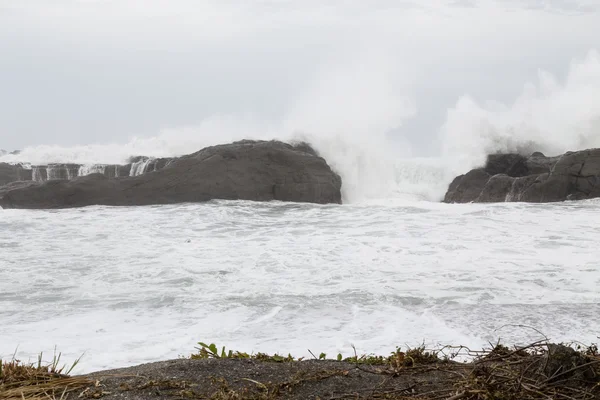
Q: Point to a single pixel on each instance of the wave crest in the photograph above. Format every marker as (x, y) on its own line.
(349, 113)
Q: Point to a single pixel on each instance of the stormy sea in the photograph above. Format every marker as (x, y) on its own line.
(391, 266)
(393, 98)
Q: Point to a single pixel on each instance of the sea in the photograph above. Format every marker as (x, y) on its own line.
(392, 266)
(399, 97)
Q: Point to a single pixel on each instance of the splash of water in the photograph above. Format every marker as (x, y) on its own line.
(551, 116)
(348, 112)
(139, 167)
(92, 169)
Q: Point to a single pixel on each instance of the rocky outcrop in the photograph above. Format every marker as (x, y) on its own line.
(16, 185)
(11, 173)
(50, 172)
(54, 171)
(246, 170)
(41, 173)
(536, 179)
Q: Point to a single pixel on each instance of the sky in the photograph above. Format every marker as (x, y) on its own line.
(80, 72)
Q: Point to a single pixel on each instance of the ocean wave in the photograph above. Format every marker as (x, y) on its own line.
(348, 121)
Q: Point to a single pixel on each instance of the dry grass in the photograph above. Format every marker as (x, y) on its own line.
(47, 381)
(541, 370)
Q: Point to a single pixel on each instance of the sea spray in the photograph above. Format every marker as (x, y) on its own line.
(349, 123)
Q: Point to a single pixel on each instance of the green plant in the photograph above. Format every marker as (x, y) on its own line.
(211, 351)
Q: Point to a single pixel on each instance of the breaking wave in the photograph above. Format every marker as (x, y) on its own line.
(349, 119)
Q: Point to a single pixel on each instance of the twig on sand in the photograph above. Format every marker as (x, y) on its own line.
(459, 396)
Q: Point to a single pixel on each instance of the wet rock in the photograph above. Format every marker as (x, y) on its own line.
(245, 170)
(562, 363)
(13, 172)
(513, 177)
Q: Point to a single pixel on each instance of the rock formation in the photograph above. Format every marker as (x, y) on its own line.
(246, 170)
(11, 173)
(536, 179)
(40, 173)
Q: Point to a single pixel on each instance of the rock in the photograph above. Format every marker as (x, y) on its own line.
(562, 362)
(16, 185)
(467, 188)
(12, 173)
(539, 179)
(497, 188)
(246, 170)
(514, 165)
(305, 147)
(156, 164)
(538, 163)
(231, 378)
(136, 159)
(40, 173)
(50, 172)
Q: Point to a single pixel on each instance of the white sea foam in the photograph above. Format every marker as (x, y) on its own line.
(551, 116)
(91, 169)
(139, 167)
(130, 285)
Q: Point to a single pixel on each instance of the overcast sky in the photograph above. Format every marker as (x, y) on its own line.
(76, 72)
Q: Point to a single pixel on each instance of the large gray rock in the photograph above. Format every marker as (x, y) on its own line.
(537, 178)
(16, 185)
(11, 173)
(246, 170)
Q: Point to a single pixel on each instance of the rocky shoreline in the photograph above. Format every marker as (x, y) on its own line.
(245, 170)
(533, 179)
(541, 370)
(66, 171)
(263, 171)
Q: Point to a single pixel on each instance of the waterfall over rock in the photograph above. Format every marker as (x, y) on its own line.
(67, 171)
(534, 179)
(139, 167)
(244, 170)
(39, 174)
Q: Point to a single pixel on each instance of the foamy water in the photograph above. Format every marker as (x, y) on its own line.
(371, 85)
(132, 285)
